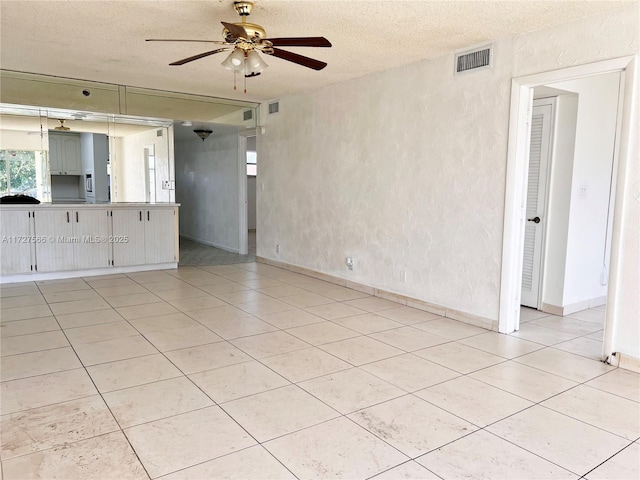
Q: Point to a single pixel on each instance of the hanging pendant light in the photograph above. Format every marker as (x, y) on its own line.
(203, 134)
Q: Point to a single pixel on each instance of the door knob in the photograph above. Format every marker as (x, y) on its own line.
(534, 220)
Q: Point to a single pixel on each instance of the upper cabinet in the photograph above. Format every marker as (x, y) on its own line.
(64, 154)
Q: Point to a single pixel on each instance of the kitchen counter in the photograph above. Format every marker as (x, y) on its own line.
(63, 240)
(83, 204)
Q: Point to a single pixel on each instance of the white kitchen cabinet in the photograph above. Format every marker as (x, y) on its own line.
(159, 240)
(64, 154)
(17, 241)
(72, 239)
(39, 241)
(56, 250)
(149, 235)
(91, 227)
(128, 230)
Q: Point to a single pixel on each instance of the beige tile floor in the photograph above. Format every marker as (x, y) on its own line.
(248, 371)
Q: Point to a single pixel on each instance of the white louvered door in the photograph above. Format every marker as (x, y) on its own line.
(539, 154)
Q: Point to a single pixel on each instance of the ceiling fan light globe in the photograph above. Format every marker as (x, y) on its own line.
(237, 57)
(255, 64)
(235, 61)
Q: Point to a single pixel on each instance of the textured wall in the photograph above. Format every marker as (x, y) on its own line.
(207, 189)
(405, 170)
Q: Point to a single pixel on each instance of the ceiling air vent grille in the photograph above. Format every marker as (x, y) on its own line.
(479, 58)
(247, 115)
(274, 107)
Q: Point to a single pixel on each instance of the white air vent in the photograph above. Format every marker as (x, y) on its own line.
(247, 115)
(274, 107)
(474, 60)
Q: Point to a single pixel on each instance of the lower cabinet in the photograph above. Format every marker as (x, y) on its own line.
(92, 228)
(128, 229)
(144, 236)
(17, 242)
(50, 239)
(72, 239)
(55, 251)
(159, 238)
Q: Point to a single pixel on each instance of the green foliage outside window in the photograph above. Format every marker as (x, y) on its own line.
(18, 172)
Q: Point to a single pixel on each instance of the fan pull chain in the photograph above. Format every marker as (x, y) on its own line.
(234, 79)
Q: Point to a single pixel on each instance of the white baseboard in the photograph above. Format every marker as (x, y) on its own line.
(626, 362)
(211, 244)
(565, 310)
(37, 276)
(442, 310)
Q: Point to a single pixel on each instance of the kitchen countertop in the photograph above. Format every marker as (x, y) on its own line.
(75, 204)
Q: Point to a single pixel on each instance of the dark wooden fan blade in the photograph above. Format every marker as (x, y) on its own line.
(300, 42)
(182, 40)
(236, 30)
(197, 57)
(299, 59)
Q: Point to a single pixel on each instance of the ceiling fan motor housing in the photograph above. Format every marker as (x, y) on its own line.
(255, 32)
(243, 8)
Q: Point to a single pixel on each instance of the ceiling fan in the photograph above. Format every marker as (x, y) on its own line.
(62, 127)
(246, 39)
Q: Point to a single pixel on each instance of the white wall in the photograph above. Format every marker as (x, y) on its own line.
(592, 168)
(251, 203)
(128, 164)
(405, 170)
(19, 140)
(207, 189)
(558, 205)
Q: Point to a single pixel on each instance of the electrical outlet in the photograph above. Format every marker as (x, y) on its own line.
(168, 185)
(350, 263)
(277, 248)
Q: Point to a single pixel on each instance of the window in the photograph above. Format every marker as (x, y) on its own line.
(252, 167)
(18, 172)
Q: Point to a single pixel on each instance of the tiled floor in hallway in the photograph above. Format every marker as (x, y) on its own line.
(251, 372)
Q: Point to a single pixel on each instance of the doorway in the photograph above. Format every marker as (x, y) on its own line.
(247, 191)
(516, 191)
(252, 173)
(570, 194)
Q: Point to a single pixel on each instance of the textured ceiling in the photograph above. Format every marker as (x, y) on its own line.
(104, 40)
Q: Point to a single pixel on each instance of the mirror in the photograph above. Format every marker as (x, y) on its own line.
(69, 156)
(67, 151)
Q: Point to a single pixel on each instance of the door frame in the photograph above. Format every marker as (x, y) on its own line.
(243, 232)
(516, 184)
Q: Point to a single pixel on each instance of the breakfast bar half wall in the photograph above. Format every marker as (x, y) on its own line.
(54, 241)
